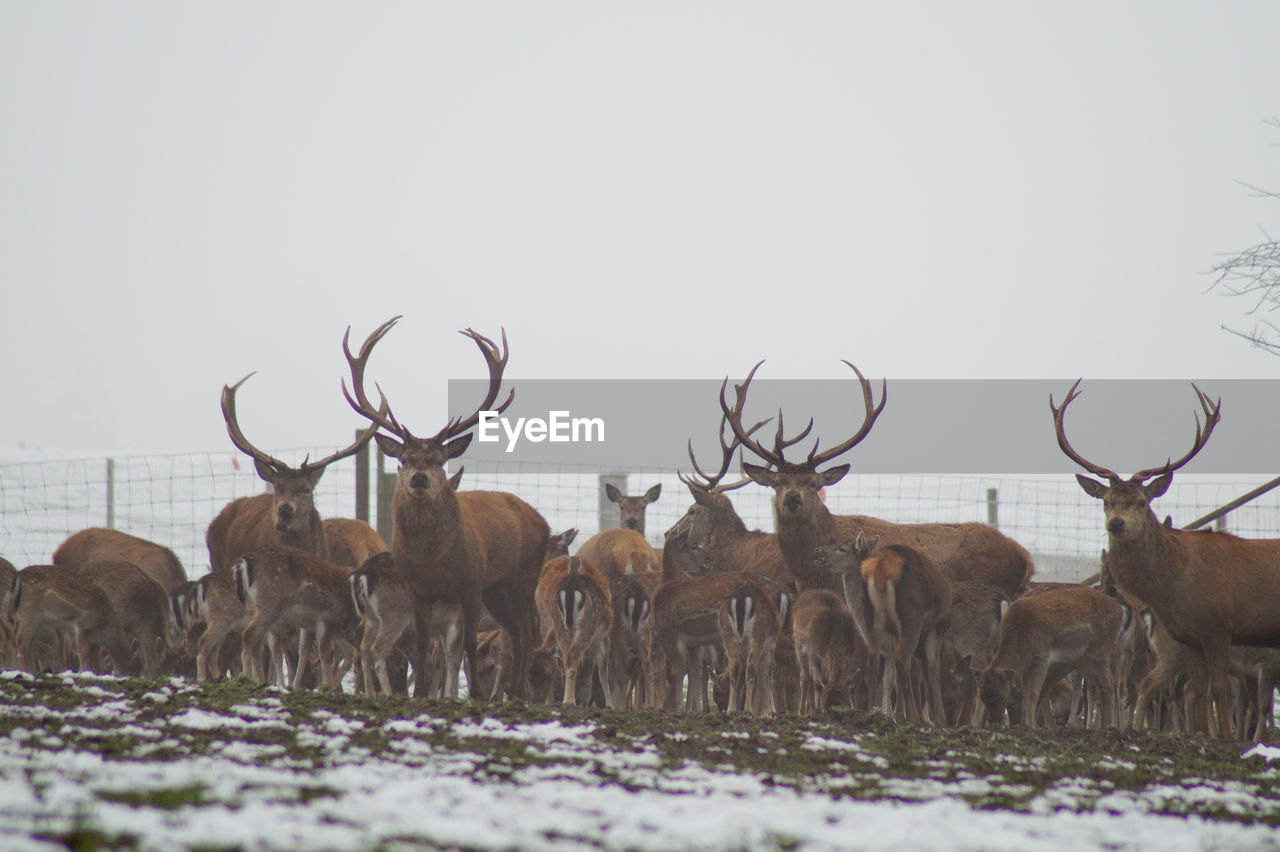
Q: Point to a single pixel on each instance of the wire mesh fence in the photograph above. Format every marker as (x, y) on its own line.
(170, 499)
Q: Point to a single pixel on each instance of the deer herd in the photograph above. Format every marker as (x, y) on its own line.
(931, 623)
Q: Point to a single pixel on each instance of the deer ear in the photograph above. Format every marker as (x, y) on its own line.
(759, 475)
(832, 475)
(653, 493)
(457, 446)
(1092, 487)
(389, 445)
(1158, 486)
(611, 491)
(265, 470)
(870, 543)
(568, 536)
(313, 476)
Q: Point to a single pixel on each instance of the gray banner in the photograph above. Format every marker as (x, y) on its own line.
(928, 426)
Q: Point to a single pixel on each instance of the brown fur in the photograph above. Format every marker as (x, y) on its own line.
(684, 621)
(140, 603)
(618, 552)
(59, 604)
(1044, 637)
(582, 638)
(101, 544)
(351, 542)
(826, 648)
(283, 587)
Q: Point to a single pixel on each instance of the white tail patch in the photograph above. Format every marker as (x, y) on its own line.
(572, 603)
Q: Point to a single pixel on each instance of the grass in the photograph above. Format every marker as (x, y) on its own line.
(843, 754)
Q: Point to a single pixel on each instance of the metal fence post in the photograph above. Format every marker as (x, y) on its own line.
(609, 509)
(993, 507)
(386, 493)
(362, 482)
(111, 494)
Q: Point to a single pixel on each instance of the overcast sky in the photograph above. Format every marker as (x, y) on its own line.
(191, 191)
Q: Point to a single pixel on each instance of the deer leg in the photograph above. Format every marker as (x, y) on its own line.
(1032, 687)
(1217, 659)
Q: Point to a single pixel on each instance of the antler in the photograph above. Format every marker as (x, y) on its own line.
(1212, 415)
(380, 416)
(241, 442)
(497, 364)
(776, 456)
(1058, 412)
(712, 483)
(233, 428)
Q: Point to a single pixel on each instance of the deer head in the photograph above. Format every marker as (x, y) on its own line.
(421, 476)
(711, 510)
(796, 485)
(1127, 502)
(631, 509)
(292, 488)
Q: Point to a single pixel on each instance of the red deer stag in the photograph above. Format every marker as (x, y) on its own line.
(287, 515)
(464, 547)
(969, 551)
(631, 509)
(1208, 591)
(713, 524)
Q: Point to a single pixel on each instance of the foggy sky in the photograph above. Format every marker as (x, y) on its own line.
(189, 192)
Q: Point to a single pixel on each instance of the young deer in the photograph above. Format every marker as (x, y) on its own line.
(750, 624)
(216, 605)
(10, 592)
(574, 598)
(911, 609)
(283, 586)
(382, 601)
(631, 509)
(629, 640)
(1047, 636)
(827, 647)
(141, 605)
(1209, 590)
(58, 605)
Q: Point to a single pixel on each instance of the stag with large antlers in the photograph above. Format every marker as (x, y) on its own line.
(287, 515)
(467, 547)
(968, 551)
(1208, 591)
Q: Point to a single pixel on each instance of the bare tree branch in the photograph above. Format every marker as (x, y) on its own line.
(1254, 273)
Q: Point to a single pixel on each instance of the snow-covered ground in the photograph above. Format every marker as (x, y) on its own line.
(158, 770)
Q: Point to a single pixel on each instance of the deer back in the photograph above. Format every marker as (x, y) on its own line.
(620, 551)
(102, 544)
(351, 542)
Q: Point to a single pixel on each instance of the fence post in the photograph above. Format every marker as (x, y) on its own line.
(111, 494)
(993, 507)
(386, 493)
(362, 482)
(609, 509)
(1220, 523)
